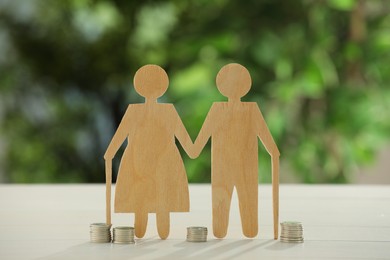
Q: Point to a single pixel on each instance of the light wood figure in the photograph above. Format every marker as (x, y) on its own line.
(151, 176)
(234, 127)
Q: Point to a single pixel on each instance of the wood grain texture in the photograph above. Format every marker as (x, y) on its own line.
(234, 127)
(151, 176)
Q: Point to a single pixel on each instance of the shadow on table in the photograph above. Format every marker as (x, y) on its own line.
(168, 249)
(282, 246)
(216, 247)
(90, 250)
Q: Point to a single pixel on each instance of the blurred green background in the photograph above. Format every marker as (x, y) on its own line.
(320, 71)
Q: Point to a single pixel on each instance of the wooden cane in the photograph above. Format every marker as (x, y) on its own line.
(275, 194)
(108, 191)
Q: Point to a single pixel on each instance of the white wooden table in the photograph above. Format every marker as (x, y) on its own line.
(340, 222)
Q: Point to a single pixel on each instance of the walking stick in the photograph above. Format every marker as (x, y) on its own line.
(108, 190)
(275, 194)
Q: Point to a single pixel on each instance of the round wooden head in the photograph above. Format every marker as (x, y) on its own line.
(233, 81)
(151, 81)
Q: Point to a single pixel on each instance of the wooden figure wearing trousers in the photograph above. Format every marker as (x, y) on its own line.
(151, 176)
(234, 127)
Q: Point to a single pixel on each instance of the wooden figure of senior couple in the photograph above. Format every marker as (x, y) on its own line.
(152, 176)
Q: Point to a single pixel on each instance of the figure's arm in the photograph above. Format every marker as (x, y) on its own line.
(117, 140)
(119, 136)
(264, 134)
(183, 136)
(205, 132)
(266, 138)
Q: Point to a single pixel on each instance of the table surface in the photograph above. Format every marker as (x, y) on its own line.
(340, 222)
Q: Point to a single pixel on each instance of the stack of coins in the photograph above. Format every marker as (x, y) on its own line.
(100, 233)
(197, 234)
(292, 232)
(123, 235)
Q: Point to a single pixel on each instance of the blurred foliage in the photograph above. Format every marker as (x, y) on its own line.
(320, 70)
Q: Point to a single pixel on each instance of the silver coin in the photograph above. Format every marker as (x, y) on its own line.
(122, 239)
(100, 233)
(123, 232)
(123, 228)
(292, 228)
(197, 228)
(123, 242)
(289, 241)
(292, 232)
(99, 225)
(287, 234)
(291, 223)
(123, 235)
(196, 234)
(292, 238)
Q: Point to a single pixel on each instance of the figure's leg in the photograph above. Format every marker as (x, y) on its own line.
(162, 218)
(141, 221)
(222, 189)
(247, 191)
(165, 186)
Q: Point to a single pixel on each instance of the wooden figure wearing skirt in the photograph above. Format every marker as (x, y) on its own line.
(151, 177)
